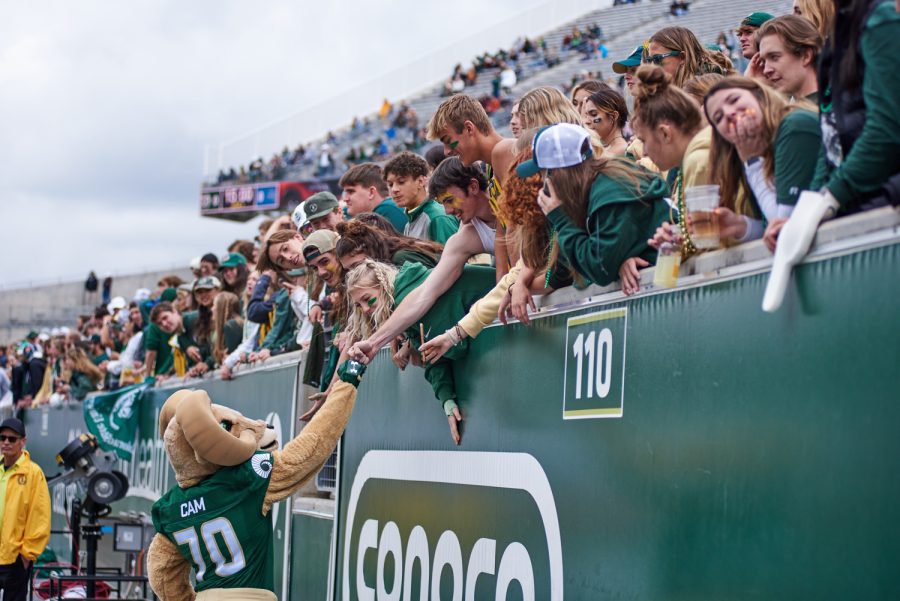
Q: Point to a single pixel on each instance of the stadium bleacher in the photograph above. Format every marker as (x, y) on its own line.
(623, 28)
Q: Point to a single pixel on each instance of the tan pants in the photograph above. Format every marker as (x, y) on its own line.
(236, 594)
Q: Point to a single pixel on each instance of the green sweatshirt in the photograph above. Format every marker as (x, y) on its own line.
(80, 385)
(390, 211)
(412, 256)
(875, 155)
(429, 221)
(621, 218)
(281, 338)
(797, 143)
(474, 283)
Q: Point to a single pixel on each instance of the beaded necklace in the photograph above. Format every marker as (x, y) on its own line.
(687, 246)
(549, 256)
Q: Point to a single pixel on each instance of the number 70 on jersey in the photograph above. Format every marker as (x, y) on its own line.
(594, 380)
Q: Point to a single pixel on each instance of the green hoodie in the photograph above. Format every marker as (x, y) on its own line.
(474, 283)
(622, 215)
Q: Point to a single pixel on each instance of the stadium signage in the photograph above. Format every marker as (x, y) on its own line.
(258, 197)
(451, 525)
(594, 381)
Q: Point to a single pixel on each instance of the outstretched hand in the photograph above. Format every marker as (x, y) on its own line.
(318, 399)
(435, 348)
(363, 351)
(521, 302)
(455, 420)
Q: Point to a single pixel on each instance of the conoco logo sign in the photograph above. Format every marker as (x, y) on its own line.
(451, 525)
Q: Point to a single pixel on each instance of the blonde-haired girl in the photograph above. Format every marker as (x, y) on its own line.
(375, 289)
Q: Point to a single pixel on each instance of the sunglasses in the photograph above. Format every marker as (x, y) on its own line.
(657, 59)
(5, 438)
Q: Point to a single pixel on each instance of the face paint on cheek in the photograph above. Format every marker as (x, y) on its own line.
(453, 203)
(371, 302)
(334, 268)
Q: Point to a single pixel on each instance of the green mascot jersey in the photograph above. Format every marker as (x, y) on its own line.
(219, 528)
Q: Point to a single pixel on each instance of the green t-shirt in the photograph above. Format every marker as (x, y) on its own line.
(797, 145)
(219, 527)
(157, 340)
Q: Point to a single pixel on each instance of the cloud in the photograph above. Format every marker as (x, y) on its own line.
(107, 107)
(119, 239)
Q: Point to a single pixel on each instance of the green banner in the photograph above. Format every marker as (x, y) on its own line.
(113, 418)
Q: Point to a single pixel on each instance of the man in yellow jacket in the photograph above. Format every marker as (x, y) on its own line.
(24, 512)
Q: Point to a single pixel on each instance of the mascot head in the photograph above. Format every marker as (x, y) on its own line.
(201, 437)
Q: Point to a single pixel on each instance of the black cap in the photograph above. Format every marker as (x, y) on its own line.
(15, 425)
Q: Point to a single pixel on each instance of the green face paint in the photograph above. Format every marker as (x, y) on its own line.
(371, 302)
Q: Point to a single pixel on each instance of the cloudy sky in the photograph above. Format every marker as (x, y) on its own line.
(106, 108)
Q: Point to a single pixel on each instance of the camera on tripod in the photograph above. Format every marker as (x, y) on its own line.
(92, 468)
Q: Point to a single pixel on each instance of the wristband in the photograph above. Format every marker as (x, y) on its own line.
(449, 406)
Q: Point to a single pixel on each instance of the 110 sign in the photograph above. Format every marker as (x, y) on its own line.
(594, 382)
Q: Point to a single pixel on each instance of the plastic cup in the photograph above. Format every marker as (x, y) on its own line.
(701, 203)
(668, 262)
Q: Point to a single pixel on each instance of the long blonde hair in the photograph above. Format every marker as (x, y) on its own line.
(81, 363)
(697, 59)
(546, 106)
(370, 274)
(225, 307)
(727, 167)
(820, 13)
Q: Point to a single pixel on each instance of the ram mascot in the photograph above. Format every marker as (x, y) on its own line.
(229, 471)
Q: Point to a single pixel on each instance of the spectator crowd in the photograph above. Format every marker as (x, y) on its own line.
(421, 252)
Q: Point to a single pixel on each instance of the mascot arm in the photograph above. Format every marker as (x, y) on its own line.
(305, 454)
(168, 571)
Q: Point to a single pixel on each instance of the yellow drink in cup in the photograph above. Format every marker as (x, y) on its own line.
(701, 203)
(668, 262)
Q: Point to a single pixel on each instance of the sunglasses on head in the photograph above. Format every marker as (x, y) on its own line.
(5, 438)
(657, 59)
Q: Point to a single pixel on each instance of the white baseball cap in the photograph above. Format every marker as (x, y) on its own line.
(116, 303)
(298, 216)
(556, 147)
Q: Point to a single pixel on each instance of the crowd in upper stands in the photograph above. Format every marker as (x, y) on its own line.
(421, 252)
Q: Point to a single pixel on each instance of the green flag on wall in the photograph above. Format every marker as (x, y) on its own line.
(113, 418)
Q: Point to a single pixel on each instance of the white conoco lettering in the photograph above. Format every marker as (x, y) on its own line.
(481, 561)
(416, 548)
(515, 564)
(368, 539)
(389, 543)
(510, 471)
(449, 554)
